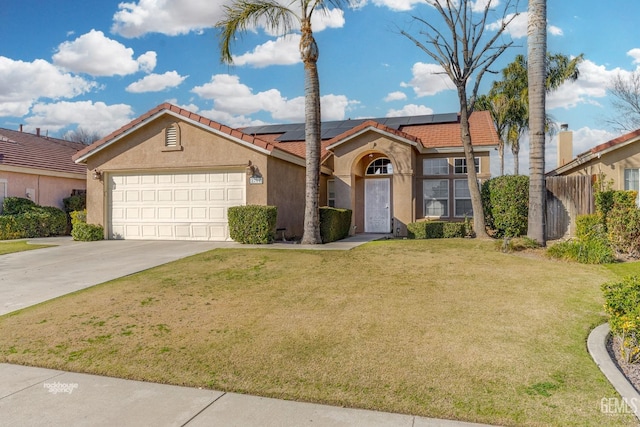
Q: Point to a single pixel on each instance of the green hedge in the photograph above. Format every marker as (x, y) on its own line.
(505, 201)
(83, 232)
(437, 230)
(591, 245)
(334, 224)
(252, 224)
(24, 219)
(622, 303)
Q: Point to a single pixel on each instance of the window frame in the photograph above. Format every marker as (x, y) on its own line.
(331, 201)
(636, 183)
(457, 198)
(388, 167)
(426, 199)
(461, 169)
(428, 170)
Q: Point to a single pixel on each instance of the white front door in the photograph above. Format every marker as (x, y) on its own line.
(377, 205)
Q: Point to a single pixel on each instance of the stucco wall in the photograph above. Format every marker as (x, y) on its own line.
(612, 165)
(47, 190)
(286, 189)
(144, 150)
(350, 163)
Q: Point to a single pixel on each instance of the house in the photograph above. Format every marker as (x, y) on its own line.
(39, 168)
(616, 161)
(172, 174)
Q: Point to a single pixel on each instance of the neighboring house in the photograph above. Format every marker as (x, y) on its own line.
(616, 161)
(172, 174)
(39, 168)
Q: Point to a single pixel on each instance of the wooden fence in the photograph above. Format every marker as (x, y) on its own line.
(567, 197)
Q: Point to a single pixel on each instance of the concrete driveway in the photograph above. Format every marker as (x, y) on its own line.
(31, 277)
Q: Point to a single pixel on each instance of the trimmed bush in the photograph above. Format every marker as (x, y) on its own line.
(252, 224)
(622, 303)
(76, 202)
(505, 201)
(83, 232)
(623, 225)
(16, 205)
(334, 224)
(32, 221)
(436, 230)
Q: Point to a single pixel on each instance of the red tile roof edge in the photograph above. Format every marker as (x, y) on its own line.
(184, 113)
(371, 124)
(612, 143)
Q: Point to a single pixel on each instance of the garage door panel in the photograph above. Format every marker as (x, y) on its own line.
(184, 206)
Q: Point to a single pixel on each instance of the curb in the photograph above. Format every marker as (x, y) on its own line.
(597, 346)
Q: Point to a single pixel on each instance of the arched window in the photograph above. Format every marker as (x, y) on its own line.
(381, 166)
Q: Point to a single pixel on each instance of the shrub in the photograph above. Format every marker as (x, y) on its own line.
(590, 226)
(623, 225)
(16, 205)
(32, 221)
(334, 224)
(436, 229)
(622, 303)
(76, 202)
(83, 232)
(590, 251)
(505, 201)
(252, 223)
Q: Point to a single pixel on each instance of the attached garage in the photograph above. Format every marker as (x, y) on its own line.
(183, 205)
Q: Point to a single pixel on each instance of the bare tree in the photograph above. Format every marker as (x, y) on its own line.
(82, 135)
(465, 51)
(625, 93)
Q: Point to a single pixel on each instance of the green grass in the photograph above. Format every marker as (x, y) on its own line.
(8, 247)
(446, 328)
(623, 269)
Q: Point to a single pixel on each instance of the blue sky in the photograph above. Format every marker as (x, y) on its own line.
(98, 65)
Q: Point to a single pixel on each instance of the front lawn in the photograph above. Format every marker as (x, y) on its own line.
(8, 247)
(439, 328)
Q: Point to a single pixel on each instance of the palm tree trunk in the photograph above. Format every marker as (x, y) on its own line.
(501, 154)
(472, 177)
(537, 52)
(516, 159)
(312, 120)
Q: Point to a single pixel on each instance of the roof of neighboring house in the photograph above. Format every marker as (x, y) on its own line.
(430, 131)
(597, 151)
(27, 150)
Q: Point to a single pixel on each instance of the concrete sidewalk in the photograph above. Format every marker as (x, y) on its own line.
(45, 397)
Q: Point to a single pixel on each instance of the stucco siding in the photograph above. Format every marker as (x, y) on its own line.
(47, 190)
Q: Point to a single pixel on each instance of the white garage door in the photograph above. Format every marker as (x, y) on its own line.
(174, 206)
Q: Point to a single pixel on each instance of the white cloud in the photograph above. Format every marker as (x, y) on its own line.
(428, 79)
(156, 82)
(95, 54)
(555, 31)
(635, 54)
(174, 17)
(517, 28)
(398, 5)
(410, 110)
(170, 17)
(590, 86)
(98, 117)
(231, 120)
(282, 51)
(22, 83)
(234, 98)
(395, 96)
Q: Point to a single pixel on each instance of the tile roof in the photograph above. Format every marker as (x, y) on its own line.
(580, 159)
(27, 150)
(258, 142)
(437, 131)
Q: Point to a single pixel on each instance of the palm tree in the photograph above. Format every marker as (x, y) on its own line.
(242, 15)
(514, 86)
(537, 76)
